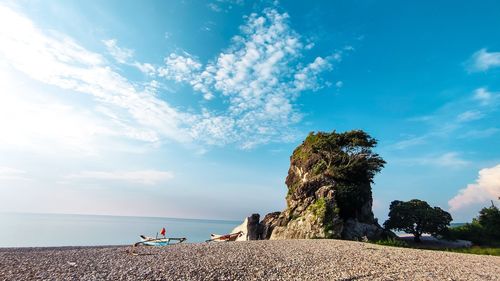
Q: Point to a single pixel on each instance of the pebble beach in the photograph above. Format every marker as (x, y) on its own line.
(251, 260)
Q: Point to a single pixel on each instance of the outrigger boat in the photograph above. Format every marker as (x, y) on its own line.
(164, 241)
(225, 237)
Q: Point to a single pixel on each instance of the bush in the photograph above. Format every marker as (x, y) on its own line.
(483, 230)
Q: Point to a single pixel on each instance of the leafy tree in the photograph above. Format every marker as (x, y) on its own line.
(489, 219)
(348, 159)
(348, 156)
(417, 217)
(483, 230)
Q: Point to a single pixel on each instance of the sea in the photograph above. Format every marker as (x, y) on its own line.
(49, 230)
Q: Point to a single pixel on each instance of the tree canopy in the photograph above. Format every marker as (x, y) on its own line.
(348, 156)
(489, 219)
(417, 217)
(347, 159)
(483, 230)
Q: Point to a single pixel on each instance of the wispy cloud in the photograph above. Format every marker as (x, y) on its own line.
(470, 115)
(410, 142)
(477, 134)
(447, 160)
(214, 7)
(125, 56)
(121, 55)
(486, 187)
(453, 117)
(258, 77)
(57, 60)
(8, 173)
(486, 97)
(146, 177)
(482, 95)
(224, 5)
(450, 159)
(483, 60)
(31, 120)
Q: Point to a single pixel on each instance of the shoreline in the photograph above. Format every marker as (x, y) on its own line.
(426, 239)
(261, 260)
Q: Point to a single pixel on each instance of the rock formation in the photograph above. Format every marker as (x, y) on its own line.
(252, 229)
(329, 190)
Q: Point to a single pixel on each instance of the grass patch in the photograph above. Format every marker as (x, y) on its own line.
(477, 251)
(392, 242)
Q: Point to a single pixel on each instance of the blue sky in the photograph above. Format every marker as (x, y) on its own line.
(192, 108)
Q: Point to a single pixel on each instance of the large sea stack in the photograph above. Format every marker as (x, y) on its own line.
(329, 189)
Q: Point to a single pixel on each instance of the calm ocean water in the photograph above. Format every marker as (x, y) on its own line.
(43, 230)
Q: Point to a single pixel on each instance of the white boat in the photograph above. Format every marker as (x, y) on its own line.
(225, 237)
(163, 241)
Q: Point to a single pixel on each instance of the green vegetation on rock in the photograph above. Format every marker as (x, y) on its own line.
(325, 214)
(318, 208)
(329, 188)
(346, 159)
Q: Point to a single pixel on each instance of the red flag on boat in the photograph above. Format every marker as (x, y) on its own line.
(163, 231)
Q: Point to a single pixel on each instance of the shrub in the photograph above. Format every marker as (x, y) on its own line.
(483, 230)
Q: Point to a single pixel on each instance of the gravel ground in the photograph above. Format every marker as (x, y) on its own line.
(254, 260)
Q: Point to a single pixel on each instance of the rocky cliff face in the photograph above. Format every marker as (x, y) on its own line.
(329, 189)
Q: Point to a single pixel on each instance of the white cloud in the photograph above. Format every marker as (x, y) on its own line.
(32, 120)
(145, 68)
(450, 159)
(7, 173)
(447, 160)
(124, 56)
(146, 177)
(470, 115)
(339, 84)
(483, 60)
(483, 96)
(306, 78)
(57, 60)
(224, 5)
(454, 117)
(121, 55)
(410, 142)
(477, 134)
(214, 7)
(260, 75)
(486, 187)
(180, 68)
(486, 97)
(425, 118)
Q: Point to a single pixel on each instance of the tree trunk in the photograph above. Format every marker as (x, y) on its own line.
(417, 238)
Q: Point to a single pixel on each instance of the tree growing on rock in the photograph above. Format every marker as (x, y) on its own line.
(417, 217)
(329, 188)
(349, 160)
